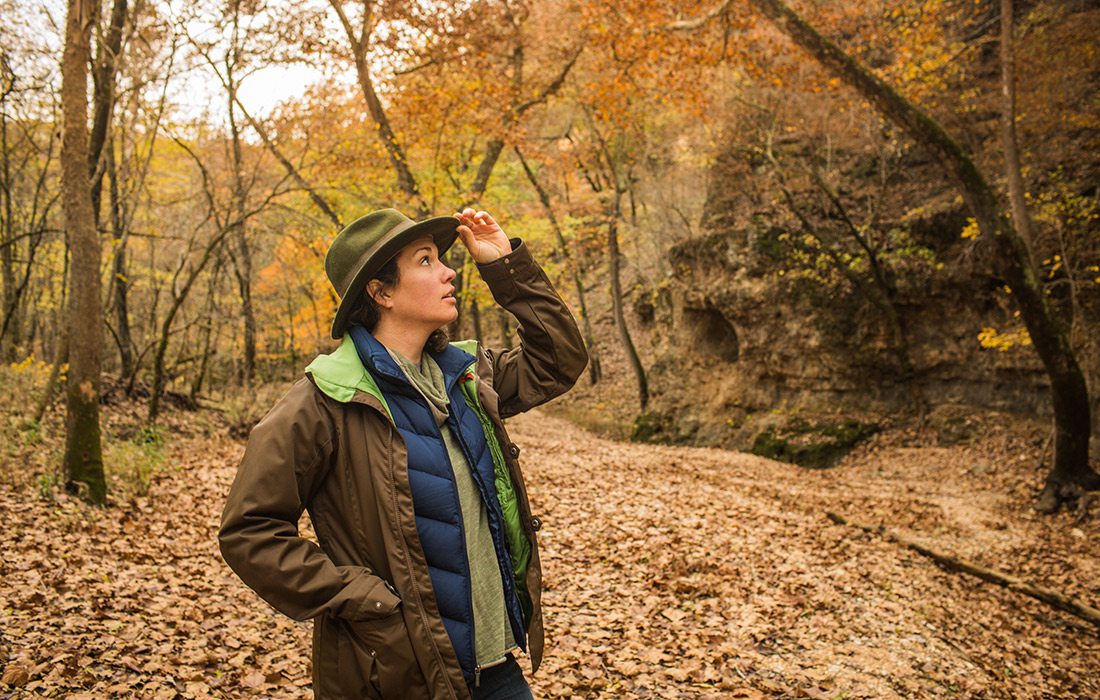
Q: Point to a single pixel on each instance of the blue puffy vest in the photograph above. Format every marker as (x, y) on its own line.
(434, 492)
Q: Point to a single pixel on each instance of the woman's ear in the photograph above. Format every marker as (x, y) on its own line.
(378, 292)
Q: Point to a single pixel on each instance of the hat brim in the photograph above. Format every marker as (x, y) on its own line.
(444, 229)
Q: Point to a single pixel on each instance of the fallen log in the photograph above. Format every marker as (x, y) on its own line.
(1047, 595)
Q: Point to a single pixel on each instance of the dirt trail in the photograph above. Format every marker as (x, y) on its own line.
(701, 571)
(670, 572)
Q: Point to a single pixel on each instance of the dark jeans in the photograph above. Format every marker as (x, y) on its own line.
(503, 682)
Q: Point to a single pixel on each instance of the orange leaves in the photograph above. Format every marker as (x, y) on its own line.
(671, 572)
(294, 298)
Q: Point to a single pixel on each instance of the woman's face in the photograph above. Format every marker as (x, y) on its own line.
(423, 295)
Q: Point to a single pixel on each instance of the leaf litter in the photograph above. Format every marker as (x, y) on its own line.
(670, 572)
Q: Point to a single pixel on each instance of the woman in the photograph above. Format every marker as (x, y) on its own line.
(427, 579)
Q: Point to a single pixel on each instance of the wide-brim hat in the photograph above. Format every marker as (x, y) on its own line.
(368, 243)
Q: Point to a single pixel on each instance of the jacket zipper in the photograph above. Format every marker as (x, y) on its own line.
(462, 530)
(461, 521)
(408, 558)
(478, 669)
(506, 576)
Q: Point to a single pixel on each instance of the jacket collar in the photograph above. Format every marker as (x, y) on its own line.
(341, 373)
(453, 360)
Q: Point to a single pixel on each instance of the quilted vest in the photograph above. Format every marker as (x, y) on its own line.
(434, 492)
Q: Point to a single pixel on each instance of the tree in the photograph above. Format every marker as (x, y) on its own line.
(1071, 472)
(576, 265)
(613, 166)
(27, 192)
(359, 42)
(83, 460)
(106, 68)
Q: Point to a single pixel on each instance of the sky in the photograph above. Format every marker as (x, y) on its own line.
(32, 32)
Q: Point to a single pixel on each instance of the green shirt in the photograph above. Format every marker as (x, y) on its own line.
(492, 630)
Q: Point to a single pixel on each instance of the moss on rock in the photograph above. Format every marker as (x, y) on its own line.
(818, 446)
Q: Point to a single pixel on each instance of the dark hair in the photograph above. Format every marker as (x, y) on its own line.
(367, 313)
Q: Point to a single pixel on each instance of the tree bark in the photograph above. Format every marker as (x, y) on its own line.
(10, 335)
(617, 304)
(1013, 173)
(104, 98)
(475, 318)
(511, 117)
(242, 255)
(120, 281)
(207, 333)
(614, 215)
(83, 460)
(1071, 473)
(505, 320)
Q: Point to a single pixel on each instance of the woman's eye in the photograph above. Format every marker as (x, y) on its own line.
(425, 259)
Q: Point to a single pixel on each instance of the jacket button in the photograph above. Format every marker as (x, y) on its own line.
(513, 449)
(536, 523)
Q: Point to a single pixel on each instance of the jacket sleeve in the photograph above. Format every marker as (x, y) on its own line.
(551, 353)
(283, 462)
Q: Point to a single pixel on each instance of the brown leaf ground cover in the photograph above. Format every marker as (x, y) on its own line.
(671, 572)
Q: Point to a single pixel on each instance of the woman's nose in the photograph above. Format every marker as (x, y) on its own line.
(448, 274)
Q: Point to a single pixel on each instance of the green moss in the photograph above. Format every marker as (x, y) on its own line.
(818, 446)
(648, 427)
(768, 243)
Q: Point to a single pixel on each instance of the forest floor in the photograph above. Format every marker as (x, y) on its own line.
(670, 572)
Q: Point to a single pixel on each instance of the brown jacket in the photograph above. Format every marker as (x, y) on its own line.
(329, 446)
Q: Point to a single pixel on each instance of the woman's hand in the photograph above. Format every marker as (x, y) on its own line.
(482, 236)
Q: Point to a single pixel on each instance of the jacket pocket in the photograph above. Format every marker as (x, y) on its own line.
(387, 654)
(340, 672)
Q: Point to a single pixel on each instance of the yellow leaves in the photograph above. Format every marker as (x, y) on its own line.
(971, 231)
(992, 339)
(1054, 264)
(31, 365)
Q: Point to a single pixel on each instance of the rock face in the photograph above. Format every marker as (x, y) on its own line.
(751, 359)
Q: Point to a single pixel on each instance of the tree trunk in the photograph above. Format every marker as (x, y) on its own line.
(475, 318)
(208, 332)
(104, 97)
(1013, 173)
(242, 262)
(505, 320)
(617, 305)
(10, 336)
(60, 357)
(1071, 472)
(577, 266)
(242, 255)
(120, 282)
(83, 460)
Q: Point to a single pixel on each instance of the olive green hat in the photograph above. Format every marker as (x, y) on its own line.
(368, 243)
